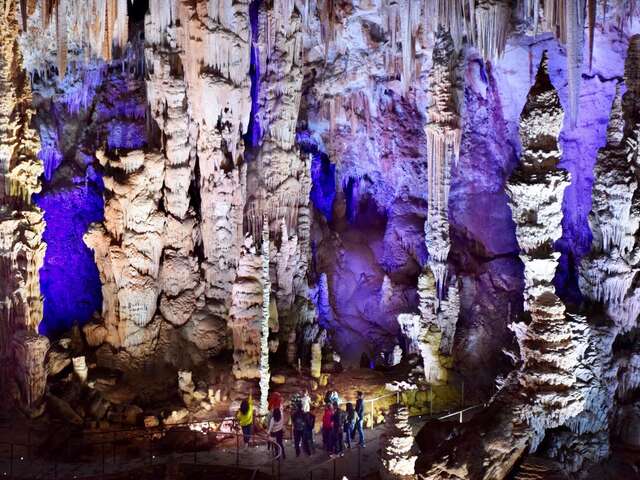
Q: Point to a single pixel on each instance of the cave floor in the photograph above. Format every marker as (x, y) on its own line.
(60, 450)
(99, 464)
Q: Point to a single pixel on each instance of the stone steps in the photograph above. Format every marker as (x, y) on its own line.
(534, 468)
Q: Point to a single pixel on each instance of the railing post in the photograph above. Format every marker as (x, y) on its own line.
(237, 449)
(195, 447)
(334, 468)
(11, 462)
(430, 400)
(373, 420)
(103, 460)
(460, 416)
(359, 462)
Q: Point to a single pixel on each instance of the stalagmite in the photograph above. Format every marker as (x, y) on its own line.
(265, 375)
(30, 372)
(246, 315)
(552, 343)
(316, 360)
(127, 247)
(397, 460)
(80, 368)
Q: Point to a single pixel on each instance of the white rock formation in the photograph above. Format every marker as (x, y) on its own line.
(397, 458)
(22, 351)
(128, 246)
(443, 132)
(608, 272)
(30, 373)
(245, 314)
(80, 368)
(265, 373)
(544, 392)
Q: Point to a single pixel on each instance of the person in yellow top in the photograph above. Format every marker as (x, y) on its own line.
(244, 416)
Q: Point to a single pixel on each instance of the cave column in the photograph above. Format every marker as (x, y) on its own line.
(22, 350)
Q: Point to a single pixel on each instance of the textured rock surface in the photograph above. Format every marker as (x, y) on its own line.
(348, 126)
(128, 246)
(398, 462)
(22, 351)
(541, 393)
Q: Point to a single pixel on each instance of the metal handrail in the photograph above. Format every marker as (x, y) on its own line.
(149, 455)
(334, 460)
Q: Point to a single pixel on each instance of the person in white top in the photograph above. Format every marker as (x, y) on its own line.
(306, 402)
(276, 430)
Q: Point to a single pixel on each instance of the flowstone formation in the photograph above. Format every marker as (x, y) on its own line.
(22, 350)
(236, 190)
(608, 273)
(607, 278)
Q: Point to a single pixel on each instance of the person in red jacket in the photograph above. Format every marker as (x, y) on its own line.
(327, 428)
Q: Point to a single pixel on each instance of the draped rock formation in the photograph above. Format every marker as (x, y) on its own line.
(608, 272)
(127, 248)
(22, 250)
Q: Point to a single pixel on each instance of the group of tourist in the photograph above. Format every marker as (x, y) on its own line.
(338, 425)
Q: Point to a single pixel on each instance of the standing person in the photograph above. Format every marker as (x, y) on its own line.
(245, 418)
(298, 421)
(306, 402)
(327, 428)
(350, 423)
(360, 421)
(276, 430)
(307, 441)
(338, 427)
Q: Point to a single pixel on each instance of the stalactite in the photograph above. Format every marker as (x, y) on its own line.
(456, 16)
(566, 19)
(575, 42)
(121, 32)
(61, 36)
(492, 19)
(592, 6)
(608, 273)
(443, 138)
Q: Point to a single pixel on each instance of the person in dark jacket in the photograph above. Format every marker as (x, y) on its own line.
(360, 421)
(327, 428)
(339, 418)
(299, 422)
(307, 440)
(351, 418)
